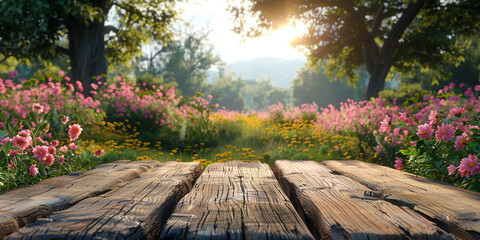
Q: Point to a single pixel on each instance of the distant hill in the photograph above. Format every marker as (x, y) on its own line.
(280, 71)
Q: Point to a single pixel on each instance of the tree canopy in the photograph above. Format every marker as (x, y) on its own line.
(188, 60)
(376, 33)
(79, 29)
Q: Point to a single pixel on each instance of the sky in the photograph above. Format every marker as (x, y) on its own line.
(214, 16)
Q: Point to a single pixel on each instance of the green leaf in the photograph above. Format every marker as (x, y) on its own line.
(27, 84)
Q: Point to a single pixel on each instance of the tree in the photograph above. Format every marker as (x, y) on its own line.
(278, 95)
(312, 85)
(38, 28)
(376, 33)
(187, 61)
(263, 94)
(467, 72)
(259, 93)
(227, 91)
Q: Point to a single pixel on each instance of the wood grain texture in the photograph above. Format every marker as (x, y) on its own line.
(136, 210)
(236, 200)
(454, 209)
(336, 207)
(24, 205)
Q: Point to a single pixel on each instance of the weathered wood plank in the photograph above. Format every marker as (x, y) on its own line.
(24, 205)
(236, 200)
(454, 209)
(336, 207)
(136, 210)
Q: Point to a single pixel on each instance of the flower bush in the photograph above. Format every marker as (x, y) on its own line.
(162, 113)
(434, 135)
(438, 137)
(29, 154)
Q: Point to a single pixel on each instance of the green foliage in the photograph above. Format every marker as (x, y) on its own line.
(261, 94)
(467, 72)
(403, 94)
(148, 80)
(189, 59)
(378, 34)
(313, 85)
(228, 90)
(32, 29)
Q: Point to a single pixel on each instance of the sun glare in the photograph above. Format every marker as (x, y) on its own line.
(276, 43)
(287, 33)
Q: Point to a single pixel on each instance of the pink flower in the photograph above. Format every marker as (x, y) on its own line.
(454, 99)
(385, 125)
(457, 111)
(477, 88)
(420, 116)
(461, 141)
(79, 86)
(469, 166)
(21, 142)
(413, 143)
(98, 153)
(451, 169)
(52, 150)
(11, 165)
(74, 131)
(40, 152)
(2, 125)
(65, 120)
(398, 163)
(5, 140)
(12, 153)
(134, 108)
(64, 149)
(469, 93)
(61, 159)
(61, 73)
(33, 170)
(39, 140)
(48, 161)
(37, 108)
(54, 143)
(72, 146)
(25, 133)
(13, 74)
(425, 131)
(445, 132)
(432, 117)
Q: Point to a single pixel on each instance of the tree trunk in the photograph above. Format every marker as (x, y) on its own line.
(377, 79)
(87, 52)
(379, 61)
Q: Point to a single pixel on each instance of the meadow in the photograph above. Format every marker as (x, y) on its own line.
(50, 127)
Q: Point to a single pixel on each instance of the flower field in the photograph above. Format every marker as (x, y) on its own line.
(50, 127)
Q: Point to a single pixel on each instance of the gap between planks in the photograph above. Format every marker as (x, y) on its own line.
(335, 206)
(454, 209)
(236, 200)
